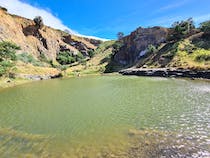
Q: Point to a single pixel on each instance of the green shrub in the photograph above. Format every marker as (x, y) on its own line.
(202, 57)
(79, 56)
(181, 28)
(152, 49)
(189, 49)
(7, 56)
(67, 57)
(64, 58)
(8, 50)
(28, 58)
(43, 58)
(91, 53)
(205, 26)
(5, 66)
(116, 46)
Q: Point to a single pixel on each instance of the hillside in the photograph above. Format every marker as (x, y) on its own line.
(40, 47)
(36, 40)
(43, 52)
(159, 47)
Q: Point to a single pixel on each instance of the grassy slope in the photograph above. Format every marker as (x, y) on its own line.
(23, 68)
(184, 54)
(28, 69)
(95, 65)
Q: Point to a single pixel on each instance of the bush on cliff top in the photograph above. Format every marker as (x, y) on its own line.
(205, 26)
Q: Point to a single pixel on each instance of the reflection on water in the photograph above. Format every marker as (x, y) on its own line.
(106, 116)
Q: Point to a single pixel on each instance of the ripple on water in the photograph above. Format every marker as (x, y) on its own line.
(93, 115)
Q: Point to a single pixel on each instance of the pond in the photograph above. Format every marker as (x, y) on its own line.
(106, 116)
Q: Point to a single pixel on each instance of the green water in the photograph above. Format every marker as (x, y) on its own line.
(84, 116)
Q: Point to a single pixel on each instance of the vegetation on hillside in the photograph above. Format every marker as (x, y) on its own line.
(180, 29)
(95, 65)
(68, 57)
(186, 47)
(7, 56)
(205, 27)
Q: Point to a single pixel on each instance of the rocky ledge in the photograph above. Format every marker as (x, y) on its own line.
(167, 72)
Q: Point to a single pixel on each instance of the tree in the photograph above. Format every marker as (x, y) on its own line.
(182, 28)
(7, 56)
(67, 57)
(205, 26)
(120, 35)
(39, 21)
(8, 50)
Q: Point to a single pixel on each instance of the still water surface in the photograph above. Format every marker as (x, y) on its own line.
(96, 116)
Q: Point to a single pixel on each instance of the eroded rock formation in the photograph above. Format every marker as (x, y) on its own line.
(135, 44)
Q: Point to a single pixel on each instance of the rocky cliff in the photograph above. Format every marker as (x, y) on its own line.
(135, 44)
(36, 41)
(160, 47)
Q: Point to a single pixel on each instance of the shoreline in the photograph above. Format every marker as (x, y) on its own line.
(19, 79)
(156, 72)
(167, 72)
(8, 82)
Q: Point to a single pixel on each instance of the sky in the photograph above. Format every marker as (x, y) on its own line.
(105, 18)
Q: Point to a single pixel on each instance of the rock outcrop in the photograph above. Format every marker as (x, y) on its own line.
(166, 72)
(135, 44)
(45, 40)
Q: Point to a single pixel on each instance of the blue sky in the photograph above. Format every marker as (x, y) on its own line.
(104, 18)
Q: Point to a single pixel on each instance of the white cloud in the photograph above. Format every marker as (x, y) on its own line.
(201, 18)
(28, 11)
(173, 5)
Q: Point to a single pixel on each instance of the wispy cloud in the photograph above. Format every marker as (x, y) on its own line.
(168, 20)
(201, 18)
(173, 5)
(26, 10)
(165, 21)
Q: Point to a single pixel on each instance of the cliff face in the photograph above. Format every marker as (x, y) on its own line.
(160, 47)
(135, 44)
(46, 40)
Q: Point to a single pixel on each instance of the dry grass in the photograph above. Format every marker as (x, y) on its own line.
(22, 68)
(188, 60)
(95, 65)
(7, 82)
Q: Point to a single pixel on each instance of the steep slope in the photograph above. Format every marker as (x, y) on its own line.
(46, 40)
(95, 65)
(40, 47)
(159, 47)
(135, 45)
